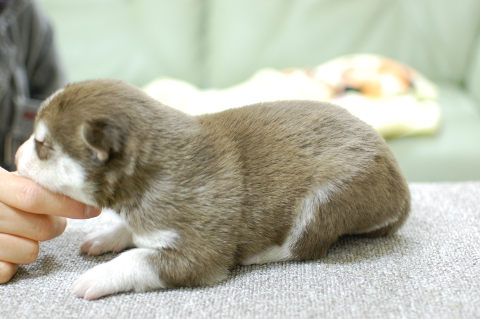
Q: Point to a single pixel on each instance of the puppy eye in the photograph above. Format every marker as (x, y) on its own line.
(42, 144)
(38, 143)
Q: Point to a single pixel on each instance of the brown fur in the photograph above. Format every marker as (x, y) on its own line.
(231, 183)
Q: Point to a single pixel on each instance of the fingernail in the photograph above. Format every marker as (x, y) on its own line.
(92, 211)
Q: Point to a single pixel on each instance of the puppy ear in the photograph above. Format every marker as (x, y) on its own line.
(102, 137)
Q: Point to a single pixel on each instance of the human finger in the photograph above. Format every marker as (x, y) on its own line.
(28, 196)
(18, 250)
(33, 226)
(7, 270)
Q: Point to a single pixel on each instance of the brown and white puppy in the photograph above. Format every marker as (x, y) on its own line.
(197, 195)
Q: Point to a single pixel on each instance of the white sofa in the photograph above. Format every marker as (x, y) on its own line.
(219, 43)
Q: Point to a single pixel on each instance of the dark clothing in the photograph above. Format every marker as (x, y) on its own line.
(29, 72)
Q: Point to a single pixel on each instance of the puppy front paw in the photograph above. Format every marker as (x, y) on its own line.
(131, 270)
(113, 239)
(95, 283)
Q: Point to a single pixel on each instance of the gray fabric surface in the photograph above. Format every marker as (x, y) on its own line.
(430, 269)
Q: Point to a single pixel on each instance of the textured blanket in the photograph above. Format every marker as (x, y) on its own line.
(430, 269)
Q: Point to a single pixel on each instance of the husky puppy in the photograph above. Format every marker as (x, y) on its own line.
(198, 195)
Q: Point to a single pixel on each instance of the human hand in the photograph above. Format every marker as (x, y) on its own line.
(29, 214)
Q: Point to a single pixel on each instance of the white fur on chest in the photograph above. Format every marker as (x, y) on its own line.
(121, 236)
(157, 240)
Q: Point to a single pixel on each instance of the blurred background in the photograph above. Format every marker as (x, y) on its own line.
(221, 43)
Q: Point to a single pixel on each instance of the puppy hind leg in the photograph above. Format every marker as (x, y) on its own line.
(273, 253)
(381, 232)
(314, 244)
(188, 268)
(386, 230)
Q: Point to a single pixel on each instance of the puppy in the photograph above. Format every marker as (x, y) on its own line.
(198, 195)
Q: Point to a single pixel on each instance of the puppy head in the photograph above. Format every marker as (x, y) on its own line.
(82, 142)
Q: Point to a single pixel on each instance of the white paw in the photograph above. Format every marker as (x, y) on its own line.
(114, 239)
(97, 282)
(131, 270)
